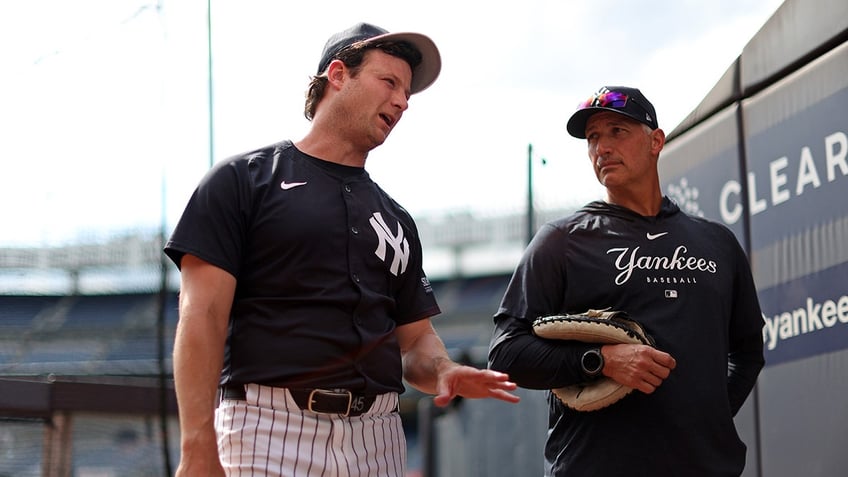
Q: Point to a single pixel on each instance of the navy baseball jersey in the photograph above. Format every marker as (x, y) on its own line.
(327, 266)
(687, 280)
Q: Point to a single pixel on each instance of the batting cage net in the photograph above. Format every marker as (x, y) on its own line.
(87, 316)
(86, 335)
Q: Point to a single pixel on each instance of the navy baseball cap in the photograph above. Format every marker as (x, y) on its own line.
(423, 75)
(619, 99)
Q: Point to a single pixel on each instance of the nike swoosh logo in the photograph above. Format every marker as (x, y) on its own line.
(290, 185)
(655, 236)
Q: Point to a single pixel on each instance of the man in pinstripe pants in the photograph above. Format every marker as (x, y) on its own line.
(303, 303)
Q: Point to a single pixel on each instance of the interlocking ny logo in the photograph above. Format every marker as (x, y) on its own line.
(398, 243)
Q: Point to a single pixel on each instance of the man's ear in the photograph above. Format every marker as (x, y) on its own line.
(657, 140)
(336, 73)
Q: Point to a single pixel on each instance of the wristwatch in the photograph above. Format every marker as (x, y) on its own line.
(592, 362)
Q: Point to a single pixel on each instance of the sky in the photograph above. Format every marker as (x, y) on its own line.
(105, 114)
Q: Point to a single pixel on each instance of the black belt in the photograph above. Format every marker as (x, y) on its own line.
(322, 401)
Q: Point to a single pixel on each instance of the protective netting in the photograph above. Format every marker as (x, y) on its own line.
(86, 336)
(99, 446)
(86, 319)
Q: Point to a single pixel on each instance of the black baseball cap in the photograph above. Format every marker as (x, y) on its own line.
(620, 99)
(423, 75)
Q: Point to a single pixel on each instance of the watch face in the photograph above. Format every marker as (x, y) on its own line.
(592, 362)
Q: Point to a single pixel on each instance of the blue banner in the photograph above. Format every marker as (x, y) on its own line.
(807, 316)
(798, 171)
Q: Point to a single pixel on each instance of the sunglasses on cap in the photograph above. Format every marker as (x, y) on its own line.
(609, 99)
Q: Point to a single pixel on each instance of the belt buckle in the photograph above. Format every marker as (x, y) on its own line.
(331, 393)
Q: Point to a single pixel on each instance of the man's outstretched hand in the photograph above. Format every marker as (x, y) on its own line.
(469, 382)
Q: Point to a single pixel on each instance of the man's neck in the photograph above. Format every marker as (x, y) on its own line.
(332, 148)
(646, 205)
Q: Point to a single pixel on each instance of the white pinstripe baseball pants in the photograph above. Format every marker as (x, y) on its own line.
(269, 435)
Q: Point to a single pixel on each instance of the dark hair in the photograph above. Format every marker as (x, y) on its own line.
(353, 56)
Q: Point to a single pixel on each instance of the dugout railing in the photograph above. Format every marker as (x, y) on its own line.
(63, 426)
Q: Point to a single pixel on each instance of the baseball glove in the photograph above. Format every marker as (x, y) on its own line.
(593, 326)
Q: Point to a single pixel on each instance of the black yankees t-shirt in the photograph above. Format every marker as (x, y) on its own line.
(327, 265)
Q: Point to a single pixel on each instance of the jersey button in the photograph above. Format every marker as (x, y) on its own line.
(355, 230)
(347, 188)
(356, 278)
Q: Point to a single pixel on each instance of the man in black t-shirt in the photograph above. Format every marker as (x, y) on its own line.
(686, 279)
(303, 302)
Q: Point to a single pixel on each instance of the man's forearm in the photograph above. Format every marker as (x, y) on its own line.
(198, 357)
(423, 362)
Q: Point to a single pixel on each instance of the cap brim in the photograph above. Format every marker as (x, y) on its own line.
(424, 74)
(576, 125)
